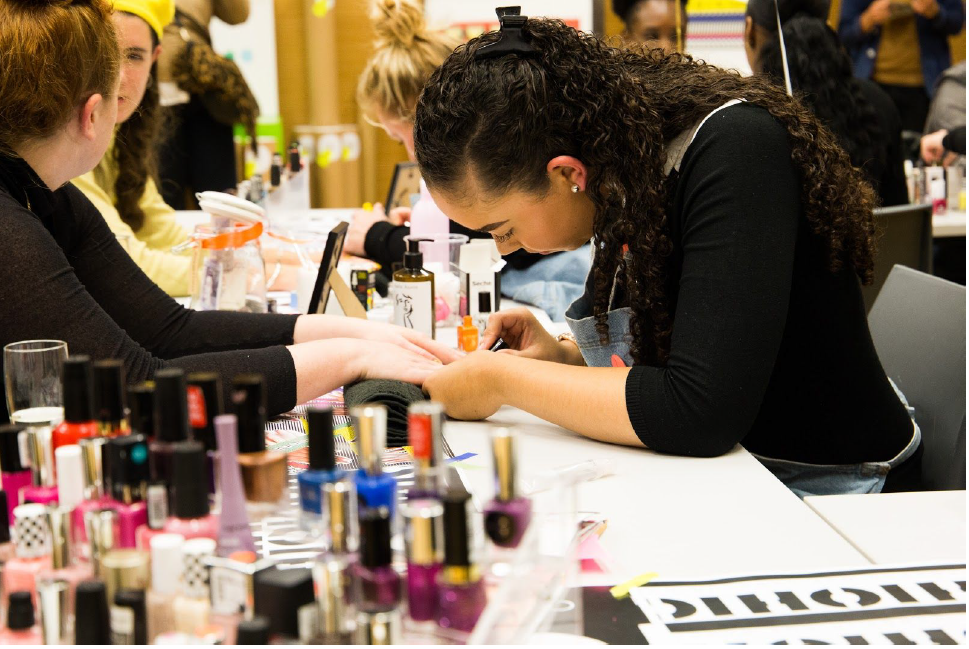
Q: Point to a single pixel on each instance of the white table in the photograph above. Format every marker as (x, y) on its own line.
(919, 527)
(950, 224)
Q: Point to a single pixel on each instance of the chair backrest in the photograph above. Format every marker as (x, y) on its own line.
(904, 235)
(918, 325)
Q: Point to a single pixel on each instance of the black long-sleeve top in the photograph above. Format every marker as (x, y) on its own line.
(955, 140)
(769, 347)
(65, 277)
(887, 176)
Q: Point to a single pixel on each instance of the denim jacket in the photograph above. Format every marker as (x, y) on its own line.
(932, 35)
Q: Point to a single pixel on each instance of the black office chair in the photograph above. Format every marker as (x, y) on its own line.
(904, 237)
(918, 325)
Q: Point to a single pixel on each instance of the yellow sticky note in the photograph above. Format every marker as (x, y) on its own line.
(622, 590)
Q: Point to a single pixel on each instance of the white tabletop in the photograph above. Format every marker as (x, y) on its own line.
(950, 224)
(919, 527)
(668, 514)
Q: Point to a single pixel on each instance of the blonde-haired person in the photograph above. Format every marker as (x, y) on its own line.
(406, 54)
(122, 186)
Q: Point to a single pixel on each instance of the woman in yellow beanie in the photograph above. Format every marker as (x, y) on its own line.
(122, 186)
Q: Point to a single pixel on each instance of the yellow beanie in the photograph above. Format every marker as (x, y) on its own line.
(157, 13)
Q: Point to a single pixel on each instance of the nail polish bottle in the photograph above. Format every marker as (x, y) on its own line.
(101, 527)
(376, 583)
(382, 628)
(13, 464)
(171, 421)
(253, 632)
(128, 480)
(64, 567)
(20, 621)
(462, 594)
(33, 550)
(468, 335)
(204, 405)
(322, 469)
(192, 605)
(109, 398)
(424, 556)
(91, 617)
(264, 473)
(166, 560)
(374, 487)
(286, 599)
(141, 409)
(425, 421)
(78, 403)
(128, 618)
(70, 476)
(190, 515)
(7, 549)
(56, 612)
(125, 569)
(231, 589)
(507, 516)
(43, 482)
(235, 534)
(95, 496)
(156, 504)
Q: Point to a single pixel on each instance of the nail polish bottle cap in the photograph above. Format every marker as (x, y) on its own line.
(91, 614)
(62, 549)
(204, 405)
(141, 405)
(370, 421)
(171, 405)
(128, 468)
(31, 531)
(424, 531)
(40, 453)
(78, 390)
(134, 599)
(53, 598)
(11, 455)
(253, 632)
(125, 568)
(70, 475)
(375, 537)
(322, 444)
(279, 596)
(166, 555)
(505, 463)
(249, 400)
(190, 492)
(340, 514)
(4, 518)
(195, 571)
(20, 611)
(378, 628)
(424, 422)
(109, 390)
(457, 542)
(93, 454)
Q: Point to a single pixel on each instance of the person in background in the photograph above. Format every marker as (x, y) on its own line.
(122, 186)
(948, 107)
(858, 112)
(903, 46)
(652, 22)
(67, 278)
(407, 52)
(199, 153)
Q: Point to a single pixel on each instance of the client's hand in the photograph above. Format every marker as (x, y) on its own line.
(408, 339)
(382, 360)
(466, 387)
(360, 223)
(525, 335)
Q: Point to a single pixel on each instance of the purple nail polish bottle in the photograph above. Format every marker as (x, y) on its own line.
(424, 556)
(425, 421)
(376, 582)
(508, 515)
(462, 597)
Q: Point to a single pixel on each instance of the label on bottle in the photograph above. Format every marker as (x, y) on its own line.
(196, 407)
(419, 430)
(229, 590)
(413, 306)
(156, 501)
(307, 622)
(122, 625)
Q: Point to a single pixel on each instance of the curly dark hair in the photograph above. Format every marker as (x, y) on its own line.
(135, 151)
(822, 77)
(503, 119)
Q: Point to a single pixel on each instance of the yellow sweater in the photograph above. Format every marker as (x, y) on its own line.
(150, 247)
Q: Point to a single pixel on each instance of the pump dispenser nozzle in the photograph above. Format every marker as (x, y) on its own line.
(413, 257)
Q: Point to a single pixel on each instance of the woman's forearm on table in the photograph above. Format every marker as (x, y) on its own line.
(323, 366)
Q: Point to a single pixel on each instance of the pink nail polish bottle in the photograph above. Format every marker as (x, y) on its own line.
(190, 495)
(127, 459)
(63, 567)
(33, 550)
(14, 466)
(92, 460)
(7, 549)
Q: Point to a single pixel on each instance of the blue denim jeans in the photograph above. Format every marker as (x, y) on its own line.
(830, 479)
(551, 284)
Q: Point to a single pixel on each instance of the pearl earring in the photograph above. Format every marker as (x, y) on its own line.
(575, 189)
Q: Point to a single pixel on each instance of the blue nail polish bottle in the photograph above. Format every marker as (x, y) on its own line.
(322, 469)
(374, 487)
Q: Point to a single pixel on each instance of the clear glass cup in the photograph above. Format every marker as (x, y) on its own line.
(32, 380)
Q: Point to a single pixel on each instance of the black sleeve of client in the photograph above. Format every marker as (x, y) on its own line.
(769, 348)
(65, 277)
(385, 245)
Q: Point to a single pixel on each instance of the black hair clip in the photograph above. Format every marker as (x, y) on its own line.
(512, 40)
